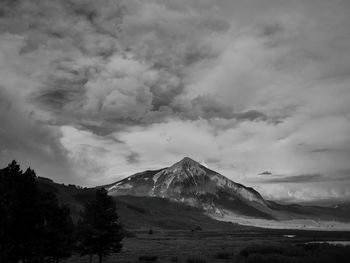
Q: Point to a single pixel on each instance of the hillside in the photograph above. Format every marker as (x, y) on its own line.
(140, 213)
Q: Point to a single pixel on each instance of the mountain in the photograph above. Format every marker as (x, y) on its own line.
(189, 182)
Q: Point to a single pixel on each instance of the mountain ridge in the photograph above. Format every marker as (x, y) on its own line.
(190, 182)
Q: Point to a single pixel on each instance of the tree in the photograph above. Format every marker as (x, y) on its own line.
(19, 214)
(33, 227)
(57, 229)
(100, 231)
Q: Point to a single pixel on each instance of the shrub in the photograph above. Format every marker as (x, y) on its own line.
(263, 249)
(267, 258)
(148, 258)
(128, 233)
(174, 259)
(198, 228)
(294, 251)
(303, 253)
(196, 259)
(224, 255)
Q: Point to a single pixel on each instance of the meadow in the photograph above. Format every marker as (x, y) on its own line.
(246, 245)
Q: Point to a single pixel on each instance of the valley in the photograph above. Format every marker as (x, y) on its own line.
(210, 245)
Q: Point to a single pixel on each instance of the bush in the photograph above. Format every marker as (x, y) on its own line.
(128, 233)
(263, 249)
(294, 251)
(174, 259)
(224, 255)
(302, 253)
(268, 258)
(195, 259)
(148, 258)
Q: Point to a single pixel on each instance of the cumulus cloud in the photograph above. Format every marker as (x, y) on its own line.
(115, 87)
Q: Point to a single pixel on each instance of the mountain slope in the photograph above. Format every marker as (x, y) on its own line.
(191, 183)
(139, 213)
(161, 213)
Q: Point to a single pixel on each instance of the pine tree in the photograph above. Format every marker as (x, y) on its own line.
(57, 229)
(100, 231)
(18, 198)
(33, 227)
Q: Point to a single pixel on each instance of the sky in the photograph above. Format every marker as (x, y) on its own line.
(258, 90)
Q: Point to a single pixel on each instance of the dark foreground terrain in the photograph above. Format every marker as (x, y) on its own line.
(246, 245)
(160, 230)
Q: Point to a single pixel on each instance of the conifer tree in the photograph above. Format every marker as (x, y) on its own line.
(57, 229)
(100, 231)
(33, 227)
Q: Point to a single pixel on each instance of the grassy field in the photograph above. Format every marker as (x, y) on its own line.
(208, 246)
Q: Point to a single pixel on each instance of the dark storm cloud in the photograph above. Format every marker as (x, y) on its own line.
(133, 158)
(303, 178)
(251, 115)
(252, 79)
(58, 98)
(73, 63)
(322, 150)
(265, 173)
(30, 143)
(89, 75)
(272, 29)
(209, 107)
(165, 89)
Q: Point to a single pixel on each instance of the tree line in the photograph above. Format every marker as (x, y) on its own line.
(35, 228)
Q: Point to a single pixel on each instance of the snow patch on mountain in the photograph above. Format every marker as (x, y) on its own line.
(125, 186)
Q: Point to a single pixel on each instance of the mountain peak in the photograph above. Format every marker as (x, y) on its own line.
(187, 162)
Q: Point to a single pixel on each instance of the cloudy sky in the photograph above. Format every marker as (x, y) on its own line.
(258, 90)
